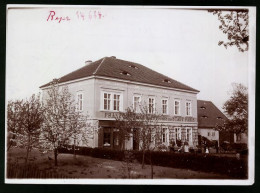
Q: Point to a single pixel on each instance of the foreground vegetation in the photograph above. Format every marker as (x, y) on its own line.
(103, 163)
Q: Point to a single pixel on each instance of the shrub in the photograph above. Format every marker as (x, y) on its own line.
(238, 147)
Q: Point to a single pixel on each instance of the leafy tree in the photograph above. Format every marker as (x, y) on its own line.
(236, 109)
(62, 121)
(234, 23)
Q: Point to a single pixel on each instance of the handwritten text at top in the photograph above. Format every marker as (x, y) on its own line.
(80, 15)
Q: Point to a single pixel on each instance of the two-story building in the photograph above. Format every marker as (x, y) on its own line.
(109, 85)
(209, 116)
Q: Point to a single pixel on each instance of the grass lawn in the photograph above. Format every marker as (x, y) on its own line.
(89, 167)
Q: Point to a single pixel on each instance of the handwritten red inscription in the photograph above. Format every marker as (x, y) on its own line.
(52, 17)
(81, 16)
(90, 15)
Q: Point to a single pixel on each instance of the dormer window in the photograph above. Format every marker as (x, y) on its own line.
(133, 66)
(202, 107)
(167, 81)
(204, 116)
(125, 73)
(219, 117)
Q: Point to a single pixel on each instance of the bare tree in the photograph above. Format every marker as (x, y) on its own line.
(62, 122)
(234, 23)
(24, 123)
(126, 122)
(150, 132)
(147, 130)
(31, 120)
(78, 128)
(13, 118)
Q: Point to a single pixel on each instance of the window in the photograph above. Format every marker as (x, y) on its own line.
(167, 81)
(107, 101)
(208, 133)
(136, 105)
(116, 102)
(238, 136)
(189, 134)
(188, 108)
(176, 107)
(165, 106)
(80, 101)
(133, 66)
(164, 135)
(125, 73)
(111, 101)
(177, 133)
(151, 105)
(213, 133)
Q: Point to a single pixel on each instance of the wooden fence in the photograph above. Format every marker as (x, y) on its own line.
(19, 171)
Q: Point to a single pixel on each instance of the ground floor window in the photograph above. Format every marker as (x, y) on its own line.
(107, 137)
(164, 135)
(189, 134)
(177, 133)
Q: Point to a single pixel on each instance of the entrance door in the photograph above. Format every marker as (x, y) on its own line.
(116, 144)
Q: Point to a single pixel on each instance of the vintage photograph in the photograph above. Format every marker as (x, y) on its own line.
(130, 95)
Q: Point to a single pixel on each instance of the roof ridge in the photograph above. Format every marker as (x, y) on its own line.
(75, 70)
(99, 66)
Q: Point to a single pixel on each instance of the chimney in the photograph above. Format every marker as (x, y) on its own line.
(88, 62)
(113, 57)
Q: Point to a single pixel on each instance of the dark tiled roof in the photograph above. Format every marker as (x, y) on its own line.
(125, 70)
(209, 115)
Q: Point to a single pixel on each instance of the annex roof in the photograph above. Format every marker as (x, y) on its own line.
(124, 70)
(209, 115)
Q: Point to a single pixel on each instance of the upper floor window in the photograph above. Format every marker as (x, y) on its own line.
(107, 101)
(151, 107)
(112, 101)
(137, 102)
(176, 107)
(116, 102)
(165, 106)
(80, 101)
(188, 108)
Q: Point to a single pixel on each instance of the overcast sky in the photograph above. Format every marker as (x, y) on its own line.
(182, 44)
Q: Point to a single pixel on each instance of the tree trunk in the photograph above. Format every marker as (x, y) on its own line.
(74, 151)
(143, 159)
(151, 165)
(11, 143)
(27, 155)
(56, 156)
(28, 149)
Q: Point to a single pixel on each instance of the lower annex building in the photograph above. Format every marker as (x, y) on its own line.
(109, 85)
